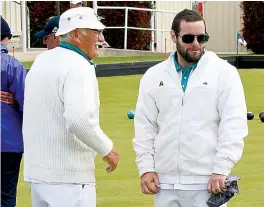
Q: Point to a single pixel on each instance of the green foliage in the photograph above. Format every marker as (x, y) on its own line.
(253, 21)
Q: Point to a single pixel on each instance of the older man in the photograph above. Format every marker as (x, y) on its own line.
(61, 127)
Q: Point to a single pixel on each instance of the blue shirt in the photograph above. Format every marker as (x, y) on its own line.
(13, 75)
(185, 72)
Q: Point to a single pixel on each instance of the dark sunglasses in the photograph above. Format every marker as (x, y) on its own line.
(189, 38)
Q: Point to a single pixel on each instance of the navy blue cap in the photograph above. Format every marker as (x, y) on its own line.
(51, 27)
(5, 29)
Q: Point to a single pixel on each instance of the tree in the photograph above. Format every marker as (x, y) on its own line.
(253, 22)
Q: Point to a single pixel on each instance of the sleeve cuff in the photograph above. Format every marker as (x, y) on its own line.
(146, 170)
(108, 146)
(221, 170)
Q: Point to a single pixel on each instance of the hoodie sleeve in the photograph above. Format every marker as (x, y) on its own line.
(16, 77)
(233, 126)
(146, 129)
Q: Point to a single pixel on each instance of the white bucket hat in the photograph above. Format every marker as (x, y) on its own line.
(81, 17)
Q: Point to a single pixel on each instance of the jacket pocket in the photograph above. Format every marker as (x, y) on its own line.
(201, 103)
(166, 150)
(199, 148)
(168, 101)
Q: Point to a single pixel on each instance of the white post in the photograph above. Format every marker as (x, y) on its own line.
(125, 38)
(162, 33)
(24, 26)
(1, 8)
(152, 32)
(12, 25)
(28, 27)
(95, 6)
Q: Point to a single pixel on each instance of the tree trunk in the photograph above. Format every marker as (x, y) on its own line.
(57, 5)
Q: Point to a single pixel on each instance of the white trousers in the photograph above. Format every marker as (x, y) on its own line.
(181, 198)
(62, 195)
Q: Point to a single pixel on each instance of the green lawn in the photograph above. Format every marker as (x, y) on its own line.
(109, 60)
(121, 188)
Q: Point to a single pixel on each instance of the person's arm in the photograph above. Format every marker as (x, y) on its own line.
(16, 77)
(146, 129)
(233, 126)
(80, 110)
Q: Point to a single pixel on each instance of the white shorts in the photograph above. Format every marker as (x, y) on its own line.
(181, 198)
(62, 195)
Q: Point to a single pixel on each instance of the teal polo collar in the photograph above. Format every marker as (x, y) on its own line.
(75, 49)
(178, 67)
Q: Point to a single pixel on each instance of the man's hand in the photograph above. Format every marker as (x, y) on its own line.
(216, 184)
(150, 183)
(112, 159)
(7, 97)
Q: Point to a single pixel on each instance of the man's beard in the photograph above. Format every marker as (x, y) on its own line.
(185, 54)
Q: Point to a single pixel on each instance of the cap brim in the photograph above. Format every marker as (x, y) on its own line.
(62, 31)
(41, 34)
(76, 2)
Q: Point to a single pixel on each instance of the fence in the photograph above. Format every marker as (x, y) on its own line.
(152, 29)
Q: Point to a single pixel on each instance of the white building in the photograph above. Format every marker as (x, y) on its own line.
(11, 12)
(164, 21)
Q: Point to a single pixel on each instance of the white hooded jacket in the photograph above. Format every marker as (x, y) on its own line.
(186, 136)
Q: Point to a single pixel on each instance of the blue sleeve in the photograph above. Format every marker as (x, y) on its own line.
(16, 77)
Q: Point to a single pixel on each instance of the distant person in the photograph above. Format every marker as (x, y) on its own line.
(13, 75)
(47, 34)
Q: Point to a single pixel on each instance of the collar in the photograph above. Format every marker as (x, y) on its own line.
(178, 67)
(3, 48)
(75, 49)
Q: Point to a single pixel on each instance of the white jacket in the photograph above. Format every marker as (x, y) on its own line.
(185, 137)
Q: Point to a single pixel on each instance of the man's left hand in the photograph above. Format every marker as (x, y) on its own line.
(216, 184)
(7, 97)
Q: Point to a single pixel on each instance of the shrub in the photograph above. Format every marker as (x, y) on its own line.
(253, 25)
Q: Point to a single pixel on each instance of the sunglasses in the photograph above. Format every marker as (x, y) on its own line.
(52, 34)
(189, 38)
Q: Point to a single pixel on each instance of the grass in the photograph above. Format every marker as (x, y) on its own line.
(122, 189)
(109, 60)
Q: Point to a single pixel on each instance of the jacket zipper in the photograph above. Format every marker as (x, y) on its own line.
(180, 139)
